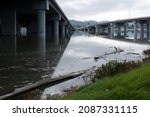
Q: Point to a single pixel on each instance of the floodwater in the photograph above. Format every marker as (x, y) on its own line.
(81, 51)
(24, 61)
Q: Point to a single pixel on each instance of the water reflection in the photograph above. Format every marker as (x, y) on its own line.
(82, 48)
(26, 60)
(11, 45)
(80, 53)
(42, 48)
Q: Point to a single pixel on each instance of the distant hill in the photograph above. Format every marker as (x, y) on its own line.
(78, 24)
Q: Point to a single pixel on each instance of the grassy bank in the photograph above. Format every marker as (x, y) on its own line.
(130, 85)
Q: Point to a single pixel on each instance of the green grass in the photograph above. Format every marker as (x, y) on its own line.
(133, 85)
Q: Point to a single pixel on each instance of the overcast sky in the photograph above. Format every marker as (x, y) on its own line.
(101, 10)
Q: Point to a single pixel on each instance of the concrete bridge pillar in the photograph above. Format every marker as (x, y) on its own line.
(119, 30)
(56, 32)
(148, 30)
(142, 30)
(135, 29)
(88, 29)
(9, 23)
(41, 32)
(67, 30)
(109, 30)
(125, 30)
(49, 31)
(112, 29)
(96, 29)
(93, 29)
(100, 29)
(62, 29)
(41, 23)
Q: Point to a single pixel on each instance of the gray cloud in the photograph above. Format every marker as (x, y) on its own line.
(90, 8)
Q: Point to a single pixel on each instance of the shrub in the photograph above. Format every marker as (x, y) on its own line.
(113, 67)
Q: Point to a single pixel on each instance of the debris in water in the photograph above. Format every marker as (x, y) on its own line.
(24, 82)
(78, 50)
(117, 50)
(33, 69)
(98, 57)
(45, 76)
(87, 58)
(133, 53)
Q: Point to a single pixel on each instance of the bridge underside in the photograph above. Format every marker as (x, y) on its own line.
(43, 18)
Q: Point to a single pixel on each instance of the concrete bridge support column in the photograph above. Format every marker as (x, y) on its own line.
(112, 29)
(109, 30)
(56, 30)
(135, 29)
(142, 31)
(93, 30)
(125, 30)
(9, 23)
(100, 29)
(119, 30)
(62, 30)
(96, 29)
(66, 31)
(148, 30)
(55, 20)
(41, 33)
(41, 23)
(49, 31)
(88, 29)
